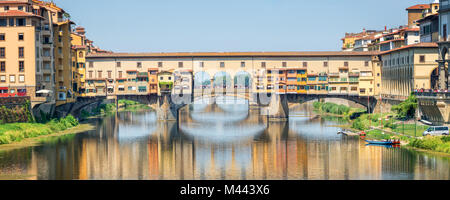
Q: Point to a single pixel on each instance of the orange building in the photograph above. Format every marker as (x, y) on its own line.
(153, 80)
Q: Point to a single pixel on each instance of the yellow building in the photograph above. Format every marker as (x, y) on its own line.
(80, 48)
(409, 68)
(166, 81)
(302, 79)
(63, 63)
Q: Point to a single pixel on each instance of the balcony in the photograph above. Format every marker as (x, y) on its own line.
(353, 74)
(334, 80)
(333, 75)
(46, 32)
(47, 45)
(46, 70)
(292, 75)
(353, 80)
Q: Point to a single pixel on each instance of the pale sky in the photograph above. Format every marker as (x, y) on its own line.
(230, 25)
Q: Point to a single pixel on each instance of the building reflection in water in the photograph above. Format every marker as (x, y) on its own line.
(229, 143)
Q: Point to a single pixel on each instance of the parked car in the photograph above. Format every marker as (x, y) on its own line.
(436, 131)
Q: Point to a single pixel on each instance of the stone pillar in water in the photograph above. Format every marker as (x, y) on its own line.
(165, 110)
(278, 109)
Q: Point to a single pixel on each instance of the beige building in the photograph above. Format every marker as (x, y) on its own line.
(26, 61)
(409, 68)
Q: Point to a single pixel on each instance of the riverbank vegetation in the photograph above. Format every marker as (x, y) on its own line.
(406, 109)
(336, 109)
(398, 121)
(16, 132)
(105, 109)
(437, 144)
(18, 114)
(395, 125)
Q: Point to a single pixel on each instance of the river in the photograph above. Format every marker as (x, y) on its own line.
(221, 141)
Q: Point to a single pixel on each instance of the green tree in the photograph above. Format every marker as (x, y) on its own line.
(406, 109)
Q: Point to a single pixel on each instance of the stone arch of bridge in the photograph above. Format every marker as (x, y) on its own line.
(368, 102)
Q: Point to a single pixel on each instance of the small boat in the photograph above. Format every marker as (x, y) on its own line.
(381, 145)
(347, 133)
(426, 122)
(386, 142)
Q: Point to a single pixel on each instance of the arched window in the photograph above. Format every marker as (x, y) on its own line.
(80, 54)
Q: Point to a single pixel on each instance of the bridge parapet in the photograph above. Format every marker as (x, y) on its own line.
(433, 95)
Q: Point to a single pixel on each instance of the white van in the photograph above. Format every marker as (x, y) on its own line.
(437, 131)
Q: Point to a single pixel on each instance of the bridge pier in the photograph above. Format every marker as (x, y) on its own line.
(278, 109)
(166, 111)
(435, 110)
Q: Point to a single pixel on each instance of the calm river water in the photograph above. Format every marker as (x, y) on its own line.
(219, 141)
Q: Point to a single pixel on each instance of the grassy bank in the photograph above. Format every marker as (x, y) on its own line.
(393, 125)
(336, 109)
(388, 126)
(105, 109)
(389, 123)
(436, 144)
(16, 132)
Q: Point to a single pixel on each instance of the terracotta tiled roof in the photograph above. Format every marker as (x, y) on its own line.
(13, 2)
(232, 54)
(412, 29)
(394, 40)
(419, 7)
(432, 16)
(419, 45)
(78, 47)
(17, 13)
(394, 32)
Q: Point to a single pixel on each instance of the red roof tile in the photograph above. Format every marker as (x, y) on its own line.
(419, 45)
(394, 40)
(13, 2)
(232, 54)
(17, 13)
(78, 47)
(419, 7)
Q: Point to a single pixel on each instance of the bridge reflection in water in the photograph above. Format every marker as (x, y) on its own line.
(219, 141)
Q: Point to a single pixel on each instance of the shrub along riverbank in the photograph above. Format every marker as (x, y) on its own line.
(336, 109)
(18, 114)
(124, 105)
(16, 132)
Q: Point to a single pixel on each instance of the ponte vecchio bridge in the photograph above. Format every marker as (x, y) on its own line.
(270, 79)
